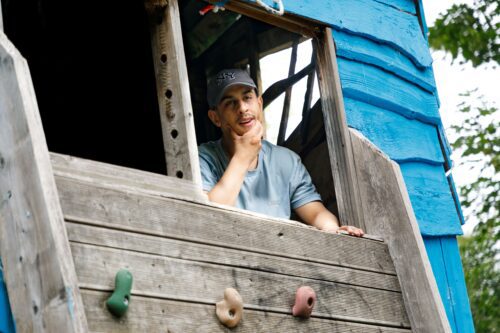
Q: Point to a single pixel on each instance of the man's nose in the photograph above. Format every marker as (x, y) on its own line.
(242, 106)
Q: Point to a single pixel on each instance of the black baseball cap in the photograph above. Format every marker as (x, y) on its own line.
(224, 79)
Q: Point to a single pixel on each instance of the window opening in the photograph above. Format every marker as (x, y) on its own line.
(93, 74)
(226, 39)
(276, 67)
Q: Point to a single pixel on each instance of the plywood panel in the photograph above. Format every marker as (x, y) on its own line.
(183, 317)
(386, 201)
(168, 278)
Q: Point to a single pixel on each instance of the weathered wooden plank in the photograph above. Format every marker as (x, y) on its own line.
(39, 271)
(368, 51)
(177, 317)
(179, 138)
(176, 279)
(386, 203)
(340, 154)
(146, 182)
(372, 85)
(96, 204)
(288, 95)
(380, 23)
(431, 199)
(234, 258)
(394, 134)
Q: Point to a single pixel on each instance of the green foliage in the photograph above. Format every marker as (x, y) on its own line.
(470, 31)
(478, 144)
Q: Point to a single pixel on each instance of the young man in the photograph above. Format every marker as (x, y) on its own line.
(245, 171)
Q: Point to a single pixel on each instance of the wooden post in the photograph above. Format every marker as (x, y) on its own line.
(1, 17)
(387, 208)
(288, 95)
(39, 270)
(337, 133)
(172, 83)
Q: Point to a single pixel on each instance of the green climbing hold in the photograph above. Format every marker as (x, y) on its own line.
(118, 302)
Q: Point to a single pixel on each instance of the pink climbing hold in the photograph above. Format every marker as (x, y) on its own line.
(305, 298)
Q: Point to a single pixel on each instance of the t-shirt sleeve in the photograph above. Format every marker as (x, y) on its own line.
(208, 177)
(302, 188)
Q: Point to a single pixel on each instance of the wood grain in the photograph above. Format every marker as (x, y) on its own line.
(176, 279)
(96, 204)
(172, 248)
(386, 203)
(39, 272)
(185, 317)
(174, 100)
(340, 154)
(126, 178)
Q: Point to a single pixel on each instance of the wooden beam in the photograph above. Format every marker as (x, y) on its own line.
(306, 114)
(288, 95)
(39, 270)
(288, 21)
(388, 213)
(181, 151)
(279, 87)
(337, 133)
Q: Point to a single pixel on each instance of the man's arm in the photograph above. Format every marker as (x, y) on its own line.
(246, 151)
(315, 214)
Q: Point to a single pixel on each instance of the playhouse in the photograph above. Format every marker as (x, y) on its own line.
(99, 170)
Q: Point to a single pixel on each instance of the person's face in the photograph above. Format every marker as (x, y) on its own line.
(238, 110)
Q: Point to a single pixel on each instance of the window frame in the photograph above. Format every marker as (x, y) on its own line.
(171, 75)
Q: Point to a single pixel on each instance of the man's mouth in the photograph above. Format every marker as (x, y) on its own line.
(246, 121)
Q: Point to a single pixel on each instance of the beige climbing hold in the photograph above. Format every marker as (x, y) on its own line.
(230, 309)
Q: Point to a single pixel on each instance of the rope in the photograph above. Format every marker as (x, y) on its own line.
(281, 8)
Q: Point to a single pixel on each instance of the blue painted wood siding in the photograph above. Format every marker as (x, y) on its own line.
(6, 321)
(390, 96)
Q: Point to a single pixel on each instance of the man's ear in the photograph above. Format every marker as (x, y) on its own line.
(214, 117)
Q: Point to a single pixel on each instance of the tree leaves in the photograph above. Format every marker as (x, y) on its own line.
(470, 31)
(478, 143)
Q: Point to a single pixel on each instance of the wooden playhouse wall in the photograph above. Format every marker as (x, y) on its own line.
(390, 96)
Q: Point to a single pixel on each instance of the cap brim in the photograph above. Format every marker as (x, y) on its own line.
(248, 84)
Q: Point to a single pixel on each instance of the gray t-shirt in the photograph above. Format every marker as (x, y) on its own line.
(279, 183)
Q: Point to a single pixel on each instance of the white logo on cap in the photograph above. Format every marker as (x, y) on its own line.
(225, 76)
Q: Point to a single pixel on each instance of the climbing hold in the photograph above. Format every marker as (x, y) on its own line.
(118, 303)
(230, 309)
(305, 298)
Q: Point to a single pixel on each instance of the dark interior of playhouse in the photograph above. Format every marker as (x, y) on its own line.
(94, 78)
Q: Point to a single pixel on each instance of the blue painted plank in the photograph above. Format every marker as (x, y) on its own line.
(456, 285)
(365, 50)
(404, 140)
(375, 86)
(431, 199)
(371, 19)
(6, 320)
(456, 198)
(435, 254)
(404, 5)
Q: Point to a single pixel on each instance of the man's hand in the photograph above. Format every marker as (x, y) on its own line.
(247, 146)
(315, 214)
(345, 229)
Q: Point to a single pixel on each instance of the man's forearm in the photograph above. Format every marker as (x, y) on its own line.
(227, 189)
